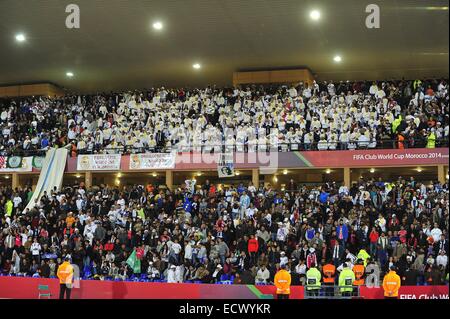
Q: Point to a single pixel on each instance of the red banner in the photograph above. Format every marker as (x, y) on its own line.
(409, 292)
(370, 158)
(27, 288)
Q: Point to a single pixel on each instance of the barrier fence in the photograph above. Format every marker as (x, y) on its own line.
(246, 147)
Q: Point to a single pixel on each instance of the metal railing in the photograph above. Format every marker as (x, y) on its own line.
(332, 292)
(241, 147)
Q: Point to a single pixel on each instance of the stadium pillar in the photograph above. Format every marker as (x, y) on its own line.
(255, 177)
(347, 177)
(88, 180)
(441, 174)
(169, 179)
(15, 180)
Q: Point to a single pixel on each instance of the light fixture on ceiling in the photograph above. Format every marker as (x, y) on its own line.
(78, 176)
(7, 176)
(314, 15)
(154, 174)
(238, 173)
(419, 170)
(372, 170)
(196, 66)
(158, 25)
(69, 74)
(337, 59)
(328, 171)
(20, 37)
(443, 8)
(199, 174)
(119, 175)
(275, 179)
(285, 172)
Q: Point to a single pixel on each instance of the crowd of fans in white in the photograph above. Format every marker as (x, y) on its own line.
(320, 116)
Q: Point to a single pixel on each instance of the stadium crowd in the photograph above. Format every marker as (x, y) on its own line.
(241, 234)
(326, 115)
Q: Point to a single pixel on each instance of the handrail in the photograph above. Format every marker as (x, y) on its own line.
(245, 147)
(332, 292)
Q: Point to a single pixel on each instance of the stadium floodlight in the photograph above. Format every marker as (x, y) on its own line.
(157, 25)
(337, 58)
(314, 15)
(20, 37)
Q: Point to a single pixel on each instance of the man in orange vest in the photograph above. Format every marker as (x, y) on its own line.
(282, 281)
(391, 284)
(329, 271)
(401, 141)
(359, 271)
(65, 275)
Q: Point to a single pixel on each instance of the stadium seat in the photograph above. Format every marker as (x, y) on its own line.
(44, 292)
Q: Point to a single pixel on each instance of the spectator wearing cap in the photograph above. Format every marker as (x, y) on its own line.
(217, 274)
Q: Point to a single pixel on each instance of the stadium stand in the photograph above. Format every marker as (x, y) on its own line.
(324, 116)
(239, 234)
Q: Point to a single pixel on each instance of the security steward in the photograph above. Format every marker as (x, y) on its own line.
(391, 284)
(282, 282)
(359, 271)
(364, 256)
(346, 279)
(65, 275)
(329, 272)
(313, 277)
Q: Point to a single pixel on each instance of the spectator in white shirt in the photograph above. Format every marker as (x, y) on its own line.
(436, 232)
(17, 200)
(262, 275)
(441, 259)
(36, 250)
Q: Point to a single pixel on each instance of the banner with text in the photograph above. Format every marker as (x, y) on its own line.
(262, 160)
(152, 161)
(98, 162)
(367, 158)
(408, 292)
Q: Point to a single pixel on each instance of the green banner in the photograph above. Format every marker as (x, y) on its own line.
(14, 162)
(37, 161)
